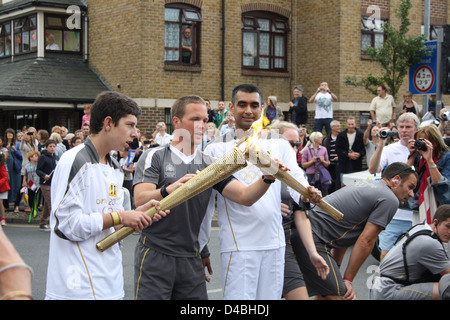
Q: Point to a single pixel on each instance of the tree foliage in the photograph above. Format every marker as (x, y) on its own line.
(395, 56)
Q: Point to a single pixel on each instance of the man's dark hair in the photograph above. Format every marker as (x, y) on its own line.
(114, 105)
(442, 213)
(398, 168)
(247, 88)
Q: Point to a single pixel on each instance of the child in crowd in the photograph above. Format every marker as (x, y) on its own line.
(87, 116)
(31, 182)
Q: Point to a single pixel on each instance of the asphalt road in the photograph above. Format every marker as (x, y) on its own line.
(32, 244)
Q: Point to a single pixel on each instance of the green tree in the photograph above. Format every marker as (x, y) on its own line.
(395, 56)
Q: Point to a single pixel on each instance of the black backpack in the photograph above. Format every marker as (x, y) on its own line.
(427, 275)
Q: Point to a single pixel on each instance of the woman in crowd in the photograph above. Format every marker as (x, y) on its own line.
(273, 111)
(409, 105)
(42, 137)
(14, 164)
(370, 139)
(303, 140)
(60, 147)
(314, 160)
(431, 157)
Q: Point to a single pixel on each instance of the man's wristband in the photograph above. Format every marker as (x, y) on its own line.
(348, 280)
(163, 191)
(268, 181)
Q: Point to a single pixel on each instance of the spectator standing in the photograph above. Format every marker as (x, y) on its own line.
(371, 137)
(315, 160)
(211, 113)
(409, 105)
(273, 111)
(160, 135)
(31, 182)
(86, 119)
(323, 98)
(330, 143)
(14, 164)
(431, 158)
(42, 137)
(60, 147)
(298, 107)
(221, 113)
(45, 167)
(350, 148)
(383, 108)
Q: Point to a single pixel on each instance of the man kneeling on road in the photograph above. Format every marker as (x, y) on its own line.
(412, 269)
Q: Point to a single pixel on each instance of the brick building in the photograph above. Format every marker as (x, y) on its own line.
(136, 47)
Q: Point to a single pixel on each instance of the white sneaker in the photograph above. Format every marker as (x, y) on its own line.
(3, 221)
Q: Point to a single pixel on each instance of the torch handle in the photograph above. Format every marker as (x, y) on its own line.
(265, 162)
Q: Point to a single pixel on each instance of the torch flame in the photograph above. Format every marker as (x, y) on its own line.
(260, 125)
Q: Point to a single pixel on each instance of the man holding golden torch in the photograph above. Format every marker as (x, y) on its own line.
(252, 239)
(167, 261)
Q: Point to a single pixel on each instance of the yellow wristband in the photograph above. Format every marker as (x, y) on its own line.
(116, 218)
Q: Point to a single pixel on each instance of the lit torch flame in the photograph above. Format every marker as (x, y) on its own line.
(260, 126)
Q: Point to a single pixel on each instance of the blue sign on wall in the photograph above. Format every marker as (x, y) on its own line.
(422, 76)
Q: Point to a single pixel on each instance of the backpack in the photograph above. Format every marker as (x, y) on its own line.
(427, 276)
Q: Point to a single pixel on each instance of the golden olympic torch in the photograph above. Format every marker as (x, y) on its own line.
(268, 165)
(219, 170)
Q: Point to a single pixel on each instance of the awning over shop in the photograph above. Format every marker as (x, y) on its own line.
(48, 81)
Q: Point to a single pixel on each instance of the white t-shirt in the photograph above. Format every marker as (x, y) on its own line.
(324, 106)
(396, 152)
(258, 227)
(163, 140)
(83, 190)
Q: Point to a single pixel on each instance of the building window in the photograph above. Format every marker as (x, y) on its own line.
(182, 34)
(60, 37)
(5, 39)
(433, 31)
(25, 34)
(264, 41)
(372, 34)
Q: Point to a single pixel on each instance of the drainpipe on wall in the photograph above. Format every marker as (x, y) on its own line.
(222, 71)
(86, 48)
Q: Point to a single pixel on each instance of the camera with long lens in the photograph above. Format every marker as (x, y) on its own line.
(386, 133)
(419, 144)
(445, 116)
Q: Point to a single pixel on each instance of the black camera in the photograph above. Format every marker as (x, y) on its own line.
(445, 116)
(419, 144)
(388, 134)
(30, 133)
(318, 158)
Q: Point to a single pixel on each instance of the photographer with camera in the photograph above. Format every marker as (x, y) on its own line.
(407, 125)
(431, 158)
(160, 135)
